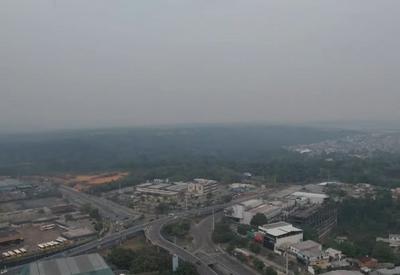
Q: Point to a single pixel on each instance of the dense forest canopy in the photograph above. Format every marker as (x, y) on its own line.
(221, 152)
(88, 150)
(362, 221)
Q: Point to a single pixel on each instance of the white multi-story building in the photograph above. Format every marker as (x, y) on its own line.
(202, 186)
(280, 235)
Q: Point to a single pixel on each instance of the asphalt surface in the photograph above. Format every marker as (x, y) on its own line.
(204, 247)
(117, 212)
(108, 241)
(202, 259)
(153, 233)
(107, 208)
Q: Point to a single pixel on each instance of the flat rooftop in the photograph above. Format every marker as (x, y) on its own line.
(252, 203)
(160, 186)
(304, 213)
(264, 208)
(177, 188)
(312, 252)
(156, 191)
(79, 232)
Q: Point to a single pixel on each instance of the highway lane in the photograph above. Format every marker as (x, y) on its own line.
(153, 233)
(107, 208)
(94, 245)
(204, 245)
(115, 237)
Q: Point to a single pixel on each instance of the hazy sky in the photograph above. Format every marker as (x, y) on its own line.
(74, 63)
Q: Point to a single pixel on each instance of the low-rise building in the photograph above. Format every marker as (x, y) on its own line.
(368, 262)
(334, 254)
(393, 240)
(172, 190)
(309, 252)
(270, 211)
(237, 211)
(62, 208)
(394, 237)
(396, 193)
(342, 264)
(306, 245)
(313, 198)
(157, 192)
(314, 257)
(241, 187)
(9, 237)
(341, 239)
(280, 235)
(244, 212)
(78, 233)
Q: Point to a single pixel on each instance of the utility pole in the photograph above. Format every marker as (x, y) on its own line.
(287, 262)
(213, 219)
(175, 262)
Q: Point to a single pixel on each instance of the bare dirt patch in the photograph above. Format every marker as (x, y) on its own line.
(33, 236)
(82, 182)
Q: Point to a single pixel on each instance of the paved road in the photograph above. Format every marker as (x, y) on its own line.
(204, 246)
(110, 208)
(108, 241)
(153, 233)
(107, 208)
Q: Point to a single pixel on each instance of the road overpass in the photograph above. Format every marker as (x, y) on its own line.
(107, 208)
(153, 233)
(110, 208)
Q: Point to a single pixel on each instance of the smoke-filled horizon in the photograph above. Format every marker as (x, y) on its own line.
(98, 63)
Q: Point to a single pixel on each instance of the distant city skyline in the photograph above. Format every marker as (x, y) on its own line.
(74, 64)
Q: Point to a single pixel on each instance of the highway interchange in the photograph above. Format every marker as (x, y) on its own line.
(116, 212)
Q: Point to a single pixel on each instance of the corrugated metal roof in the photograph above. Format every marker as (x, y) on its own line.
(309, 244)
(92, 264)
(33, 270)
(63, 266)
(279, 229)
